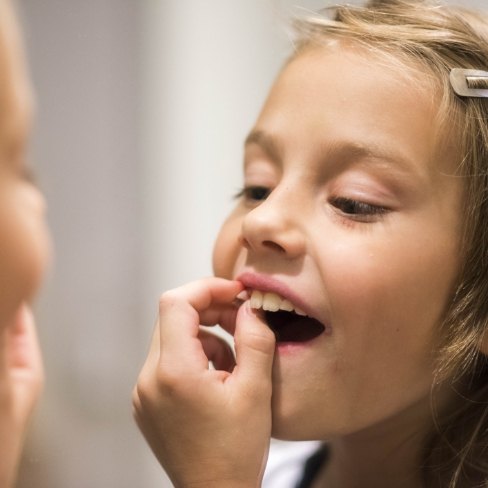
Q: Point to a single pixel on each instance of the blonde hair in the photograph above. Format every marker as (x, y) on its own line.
(435, 38)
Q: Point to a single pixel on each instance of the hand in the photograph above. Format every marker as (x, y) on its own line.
(21, 379)
(207, 427)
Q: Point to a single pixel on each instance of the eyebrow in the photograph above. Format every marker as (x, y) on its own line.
(266, 142)
(347, 151)
(351, 151)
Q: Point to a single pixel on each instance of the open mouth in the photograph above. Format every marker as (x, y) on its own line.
(289, 324)
(290, 327)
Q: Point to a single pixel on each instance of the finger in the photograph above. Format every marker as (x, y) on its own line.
(217, 350)
(202, 294)
(224, 315)
(25, 369)
(23, 343)
(255, 345)
(179, 319)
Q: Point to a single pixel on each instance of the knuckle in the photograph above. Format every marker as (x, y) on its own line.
(168, 299)
(143, 391)
(167, 380)
(156, 384)
(136, 399)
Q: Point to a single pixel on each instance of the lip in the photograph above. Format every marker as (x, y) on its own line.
(267, 283)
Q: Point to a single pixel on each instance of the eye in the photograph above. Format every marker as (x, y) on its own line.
(254, 193)
(357, 210)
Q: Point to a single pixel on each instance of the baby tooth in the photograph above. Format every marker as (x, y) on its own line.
(286, 305)
(243, 295)
(256, 299)
(300, 312)
(271, 302)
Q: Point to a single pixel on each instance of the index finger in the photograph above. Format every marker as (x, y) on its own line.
(180, 313)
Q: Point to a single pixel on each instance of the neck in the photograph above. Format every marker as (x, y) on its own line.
(367, 466)
(381, 456)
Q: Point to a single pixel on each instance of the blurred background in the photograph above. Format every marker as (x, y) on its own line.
(143, 106)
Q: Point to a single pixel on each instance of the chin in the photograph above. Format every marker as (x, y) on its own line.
(294, 430)
(290, 423)
(294, 420)
(287, 432)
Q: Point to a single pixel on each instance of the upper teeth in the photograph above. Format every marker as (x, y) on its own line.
(272, 302)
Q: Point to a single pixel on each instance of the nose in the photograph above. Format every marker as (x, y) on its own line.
(275, 226)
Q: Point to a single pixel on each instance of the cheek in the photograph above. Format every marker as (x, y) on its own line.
(399, 292)
(385, 305)
(227, 248)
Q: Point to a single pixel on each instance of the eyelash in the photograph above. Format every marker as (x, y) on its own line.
(349, 208)
(253, 193)
(358, 210)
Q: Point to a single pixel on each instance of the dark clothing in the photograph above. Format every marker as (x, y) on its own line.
(312, 466)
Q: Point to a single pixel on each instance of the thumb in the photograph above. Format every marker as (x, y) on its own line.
(254, 345)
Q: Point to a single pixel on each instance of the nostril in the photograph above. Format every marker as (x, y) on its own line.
(245, 243)
(273, 246)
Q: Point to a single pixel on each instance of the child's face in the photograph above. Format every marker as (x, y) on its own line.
(361, 230)
(24, 241)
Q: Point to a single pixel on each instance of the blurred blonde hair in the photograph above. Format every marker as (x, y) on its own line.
(432, 38)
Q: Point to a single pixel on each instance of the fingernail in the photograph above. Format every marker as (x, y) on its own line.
(243, 295)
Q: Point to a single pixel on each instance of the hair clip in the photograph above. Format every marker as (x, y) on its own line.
(471, 83)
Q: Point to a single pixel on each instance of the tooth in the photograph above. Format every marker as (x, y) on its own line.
(271, 302)
(243, 295)
(256, 299)
(286, 305)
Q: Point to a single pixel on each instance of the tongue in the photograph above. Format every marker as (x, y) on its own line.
(290, 327)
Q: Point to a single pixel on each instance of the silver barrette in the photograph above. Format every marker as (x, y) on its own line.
(471, 83)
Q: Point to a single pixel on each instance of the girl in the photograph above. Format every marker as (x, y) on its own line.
(352, 272)
(23, 253)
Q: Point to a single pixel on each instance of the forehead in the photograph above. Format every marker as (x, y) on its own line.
(344, 93)
(354, 77)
